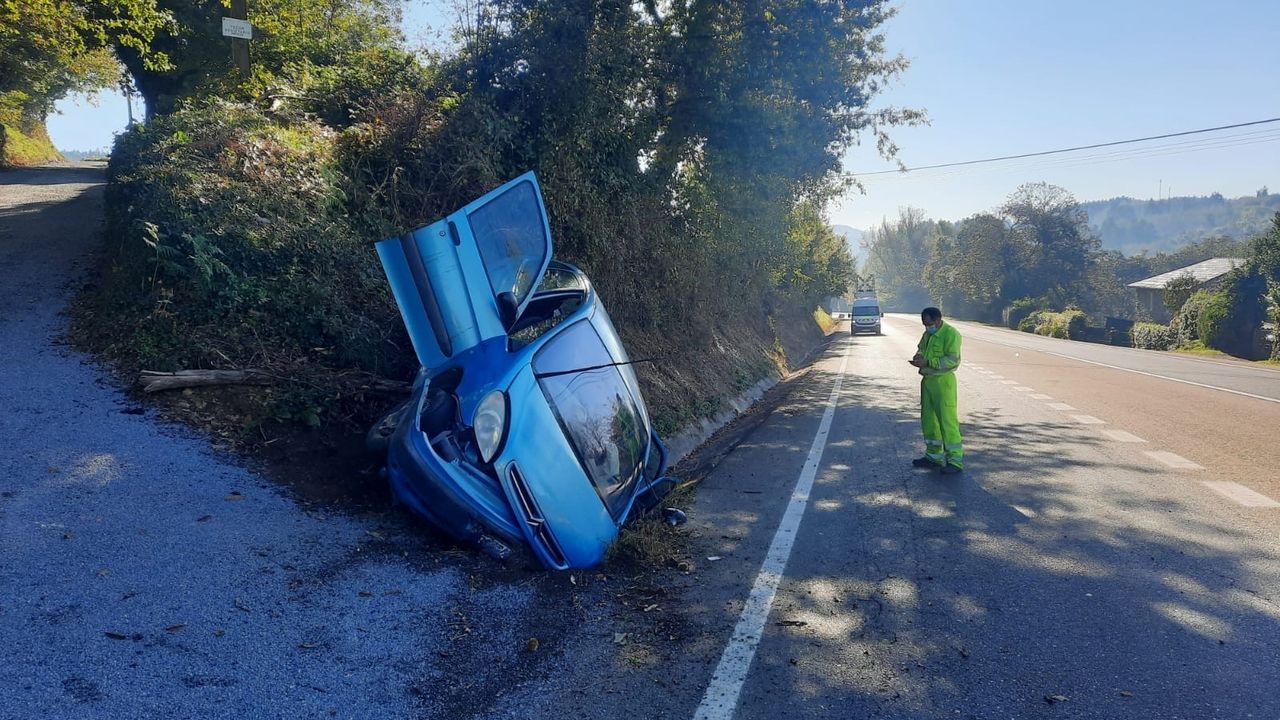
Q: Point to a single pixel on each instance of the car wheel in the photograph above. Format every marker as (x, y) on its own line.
(379, 436)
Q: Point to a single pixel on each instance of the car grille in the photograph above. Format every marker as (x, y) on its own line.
(532, 517)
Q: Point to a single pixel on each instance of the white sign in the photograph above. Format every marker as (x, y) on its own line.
(231, 27)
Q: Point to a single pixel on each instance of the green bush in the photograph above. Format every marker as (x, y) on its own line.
(1213, 322)
(1151, 336)
(1069, 324)
(1185, 327)
(233, 247)
(1019, 310)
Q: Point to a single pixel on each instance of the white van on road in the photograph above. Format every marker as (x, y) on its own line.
(866, 316)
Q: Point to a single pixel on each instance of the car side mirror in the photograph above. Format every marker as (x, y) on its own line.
(508, 310)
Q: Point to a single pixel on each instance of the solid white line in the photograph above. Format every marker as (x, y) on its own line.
(1088, 420)
(721, 698)
(1163, 377)
(1122, 436)
(1240, 493)
(1172, 460)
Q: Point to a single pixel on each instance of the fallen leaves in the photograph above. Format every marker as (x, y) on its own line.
(235, 495)
(531, 645)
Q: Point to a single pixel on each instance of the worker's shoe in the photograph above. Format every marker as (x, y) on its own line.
(924, 462)
(950, 469)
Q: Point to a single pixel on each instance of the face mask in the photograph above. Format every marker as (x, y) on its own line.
(931, 329)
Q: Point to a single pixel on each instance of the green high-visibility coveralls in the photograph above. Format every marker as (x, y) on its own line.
(938, 420)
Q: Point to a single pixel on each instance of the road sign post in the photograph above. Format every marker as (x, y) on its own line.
(238, 28)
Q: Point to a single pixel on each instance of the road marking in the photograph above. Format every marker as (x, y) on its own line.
(1240, 493)
(1162, 377)
(1061, 406)
(1041, 396)
(721, 698)
(996, 377)
(1008, 382)
(1174, 461)
(1025, 511)
(1088, 420)
(1022, 388)
(1122, 436)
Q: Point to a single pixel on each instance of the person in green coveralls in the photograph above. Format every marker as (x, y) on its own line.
(937, 358)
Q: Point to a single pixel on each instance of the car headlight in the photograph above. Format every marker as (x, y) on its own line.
(490, 424)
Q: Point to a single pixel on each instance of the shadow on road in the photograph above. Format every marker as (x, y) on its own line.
(1051, 577)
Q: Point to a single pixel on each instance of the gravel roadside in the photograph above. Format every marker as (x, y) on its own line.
(143, 574)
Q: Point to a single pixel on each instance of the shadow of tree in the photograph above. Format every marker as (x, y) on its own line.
(1054, 576)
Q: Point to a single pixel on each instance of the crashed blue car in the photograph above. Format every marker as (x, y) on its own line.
(525, 425)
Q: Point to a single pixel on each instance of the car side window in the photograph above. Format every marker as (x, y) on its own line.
(511, 236)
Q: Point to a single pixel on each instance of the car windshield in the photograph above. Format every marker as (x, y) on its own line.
(867, 311)
(596, 411)
(512, 240)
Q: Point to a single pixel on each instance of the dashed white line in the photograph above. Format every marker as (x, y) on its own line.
(1041, 396)
(1122, 436)
(1174, 461)
(1025, 511)
(1061, 406)
(1240, 494)
(1008, 382)
(721, 698)
(993, 376)
(1088, 420)
(1022, 388)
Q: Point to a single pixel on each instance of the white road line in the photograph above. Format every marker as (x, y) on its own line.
(1041, 396)
(1122, 436)
(1061, 406)
(721, 698)
(1088, 420)
(1008, 382)
(1022, 388)
(993, 376)
(1162, 377)
(1240, 493)
(1025, 511)
(1174, 461)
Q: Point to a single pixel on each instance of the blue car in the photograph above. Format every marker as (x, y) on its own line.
(525, 425)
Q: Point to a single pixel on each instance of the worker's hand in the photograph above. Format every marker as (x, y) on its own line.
(918, 360)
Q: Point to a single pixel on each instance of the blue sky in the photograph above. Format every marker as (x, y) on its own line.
(1004, 77)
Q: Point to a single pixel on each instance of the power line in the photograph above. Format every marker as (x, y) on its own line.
(1070, 149)
(1177, 147)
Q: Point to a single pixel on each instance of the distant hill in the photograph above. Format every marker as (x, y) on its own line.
(853, 238)
(1131, 225)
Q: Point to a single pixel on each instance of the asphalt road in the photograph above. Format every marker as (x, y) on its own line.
(1111, 550)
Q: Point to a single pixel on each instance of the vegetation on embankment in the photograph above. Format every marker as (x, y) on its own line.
(239, 221)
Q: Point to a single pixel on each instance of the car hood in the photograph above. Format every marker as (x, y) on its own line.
(563, 518)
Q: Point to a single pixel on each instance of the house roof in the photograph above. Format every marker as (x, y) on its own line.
(1203, 272)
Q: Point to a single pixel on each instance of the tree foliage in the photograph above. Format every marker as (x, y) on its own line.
(49, 48)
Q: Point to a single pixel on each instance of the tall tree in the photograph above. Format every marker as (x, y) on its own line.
(49, 48)
(897, 254)
(289, 36)
(1060, 248)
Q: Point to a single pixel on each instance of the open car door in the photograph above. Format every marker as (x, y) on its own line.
(465, 279)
